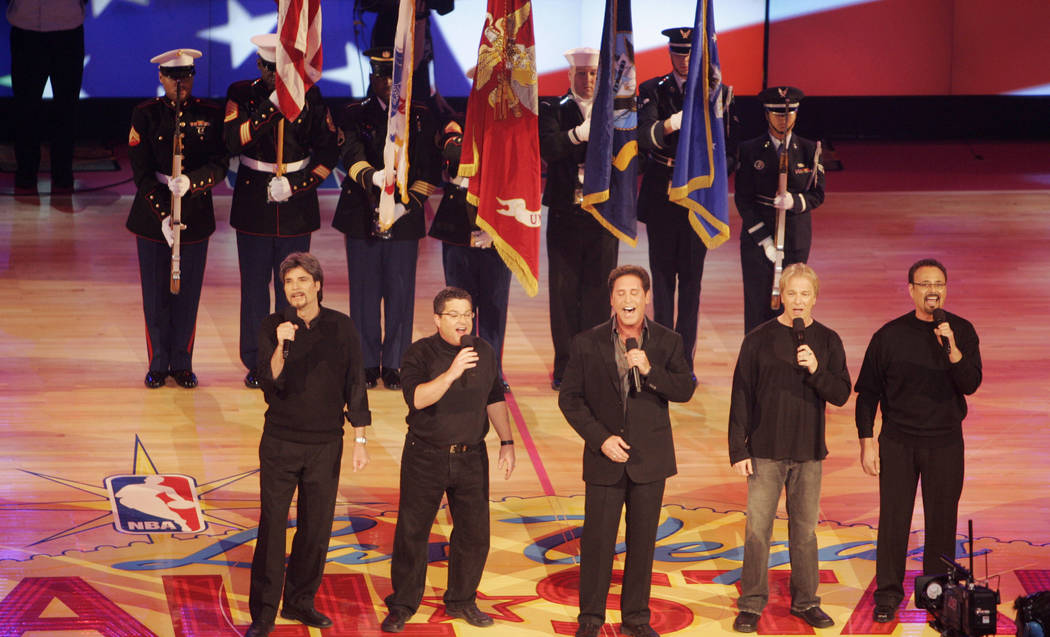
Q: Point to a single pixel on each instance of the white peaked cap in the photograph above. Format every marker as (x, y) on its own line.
(582, 56)
(176, 57)
(267, 45)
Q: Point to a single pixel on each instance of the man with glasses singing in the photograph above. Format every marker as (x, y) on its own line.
(918, 369)
(452, 385)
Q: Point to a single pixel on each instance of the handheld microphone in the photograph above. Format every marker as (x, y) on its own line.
(798, 328)
(286, 348)
(467, 340)
(940, 317)
(633, 374)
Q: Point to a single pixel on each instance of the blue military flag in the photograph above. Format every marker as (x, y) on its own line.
(700, 182)
(611, 172)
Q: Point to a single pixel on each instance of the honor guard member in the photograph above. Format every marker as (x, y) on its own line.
(382, 265)
(580, 252)
(273, 215)
(756, 197)
(676, 252)
(467, 254)
(171, 319)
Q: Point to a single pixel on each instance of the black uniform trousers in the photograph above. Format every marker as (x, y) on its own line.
(382, 275)
(758, 280)
(285, 466)
(676, 255)
(483, 274)
(259, 257)
(171, 319)
(602, 507)
(901, 468)
(427, 474)
(35, 57)
(580, 255)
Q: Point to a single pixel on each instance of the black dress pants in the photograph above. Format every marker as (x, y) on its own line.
(940, 470)
(427, 474)
(602, 507)
(285, 466)
(676, 260)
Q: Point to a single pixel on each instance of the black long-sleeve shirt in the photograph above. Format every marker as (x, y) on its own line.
(922, 394)
(777, 407)
(323, 375)
(459, 416)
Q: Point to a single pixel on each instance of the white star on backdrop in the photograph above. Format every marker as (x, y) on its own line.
(236, 33)
(351, 74)
(98, 6)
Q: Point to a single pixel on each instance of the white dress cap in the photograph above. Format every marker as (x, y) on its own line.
(176, 57)
(582, 56)
(267, 45)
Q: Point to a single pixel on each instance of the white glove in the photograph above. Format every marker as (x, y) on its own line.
(770, 249)
(785, 201)
(169, 234)
(400, 210)
(674, 122)
(179, 186)
(480, 239)
(273, 99)
(582, 132)
(378, 178)
(279, 189)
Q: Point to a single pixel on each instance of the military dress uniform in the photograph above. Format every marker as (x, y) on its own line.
(676, 252)
(171, 318)
(580, 251)
(478, 269)
(382, 269)
(755, 187)
(268, 231)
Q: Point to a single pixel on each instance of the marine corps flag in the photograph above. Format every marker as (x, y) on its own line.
(700, 182)
(611, 172)
(501, 143)
(299, 53)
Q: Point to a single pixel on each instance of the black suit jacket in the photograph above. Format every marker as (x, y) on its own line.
(593, 403)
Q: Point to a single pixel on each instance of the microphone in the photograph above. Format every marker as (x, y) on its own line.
(798, 328)
(467, 340)
(940, 317)
(286, 348)
(633, 374)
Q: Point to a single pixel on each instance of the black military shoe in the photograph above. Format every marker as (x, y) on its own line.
(308, 616)
(185, 378)
(472, 614)
(250, 381)
(371, 377)
(155, 379)
(391, 379)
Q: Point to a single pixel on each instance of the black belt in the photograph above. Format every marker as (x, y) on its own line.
(456, 447)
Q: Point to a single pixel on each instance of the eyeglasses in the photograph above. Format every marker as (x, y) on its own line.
(934, 285)
(455, 316)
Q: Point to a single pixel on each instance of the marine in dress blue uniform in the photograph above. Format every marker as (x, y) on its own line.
(171, 319)
(273, 216)
(755, 192)
(382, 265)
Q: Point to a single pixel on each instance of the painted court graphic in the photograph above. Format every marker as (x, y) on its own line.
(155, 504)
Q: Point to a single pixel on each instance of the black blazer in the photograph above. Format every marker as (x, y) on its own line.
(592, 402)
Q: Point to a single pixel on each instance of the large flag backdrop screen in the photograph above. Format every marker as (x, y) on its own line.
(826, 47)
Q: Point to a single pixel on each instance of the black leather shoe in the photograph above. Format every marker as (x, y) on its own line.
(371, 377)
(250, 381)
(308, 616)
(391, 379)
(259, 629)
(472, 614)
(185, 378)
(155, 379)
(814, 617)
(588, 630)
(884, 613)
(638, 630)
(394, 622)
(746, 622)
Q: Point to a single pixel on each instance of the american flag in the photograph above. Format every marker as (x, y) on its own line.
(299, 54)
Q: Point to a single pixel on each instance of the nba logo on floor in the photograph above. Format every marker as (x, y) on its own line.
(161, 503)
